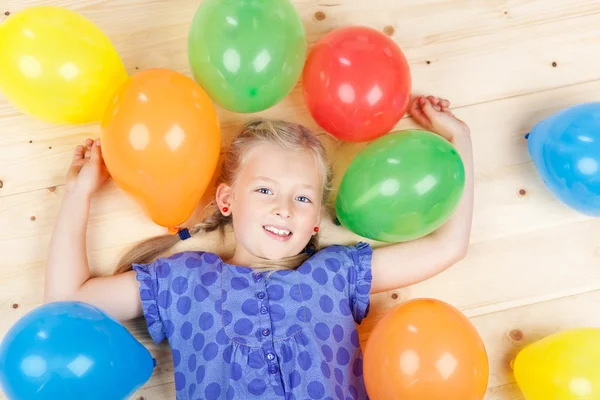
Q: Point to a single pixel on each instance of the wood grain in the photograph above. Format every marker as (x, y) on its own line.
(532, 268)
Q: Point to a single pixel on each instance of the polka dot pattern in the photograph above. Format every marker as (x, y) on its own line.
(198, 341)
(230, 395)
(236, 371)
(316, 390)
(180, 285)
(257, 387)
(184, 304)
(339, 376)
(186, 330)
(325, 370)
(165, 299)
(338, 333)
(304, 314)
(234, 332)
(200, 372)
(209, 278)
(206, 321)
(354, 338)
(176, 358)
(210, 351)
(239, 283)
(243, 326)
(250, 307)
(193, 262)
(304, 360)
(162, 269)
(212, 391)
(295, 379)
(320, 276)
(180, 381)
(322, 331)
(326, 304)
(169, 328)
(275, 292)
(192, 363)
(301, 292)
(339, 282)
(343, 356)
(200, 293)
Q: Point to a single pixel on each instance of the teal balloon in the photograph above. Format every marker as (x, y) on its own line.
(402, 186)
(247, 54)
(71, 351)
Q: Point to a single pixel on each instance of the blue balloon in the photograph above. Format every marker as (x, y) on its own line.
(71, 350)
(565, 148)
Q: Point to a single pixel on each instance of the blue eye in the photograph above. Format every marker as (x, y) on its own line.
(303, 199)
(264, 191)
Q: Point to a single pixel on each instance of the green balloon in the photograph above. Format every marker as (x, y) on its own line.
(402, 186)
(247, 54)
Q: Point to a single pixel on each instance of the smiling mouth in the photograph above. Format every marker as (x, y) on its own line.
(283, 233)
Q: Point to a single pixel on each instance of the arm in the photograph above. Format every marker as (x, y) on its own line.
(428, 256)
(67, 270)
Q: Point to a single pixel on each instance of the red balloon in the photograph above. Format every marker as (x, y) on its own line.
(356, 83)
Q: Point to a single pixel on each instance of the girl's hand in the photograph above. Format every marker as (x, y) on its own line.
(87, 171)
(433, 114)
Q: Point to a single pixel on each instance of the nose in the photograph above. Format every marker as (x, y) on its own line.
(284, 209)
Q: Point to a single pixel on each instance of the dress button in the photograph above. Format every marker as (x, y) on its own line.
(257, 276)
(260, 295)
(273, 369)
(264, 310)
(270, 356)
(266, 332)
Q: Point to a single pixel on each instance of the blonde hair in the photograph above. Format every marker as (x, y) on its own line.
(284, 134)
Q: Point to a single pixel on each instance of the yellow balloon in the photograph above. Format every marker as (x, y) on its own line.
(57, 65)
(563, 366)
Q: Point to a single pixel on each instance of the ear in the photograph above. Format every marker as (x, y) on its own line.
(320, 218)
(223, 197)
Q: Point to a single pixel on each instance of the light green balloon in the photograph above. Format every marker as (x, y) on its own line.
(247, 54)
(402, 186)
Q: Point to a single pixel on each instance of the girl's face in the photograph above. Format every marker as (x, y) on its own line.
(275, 203)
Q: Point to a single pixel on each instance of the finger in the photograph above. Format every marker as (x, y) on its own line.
(75, 168)
(96, 156)
(78, 153)
(428, 110)
(88, 147)
(417, 114)
(445, 103)
(434, 100)
(415, 103)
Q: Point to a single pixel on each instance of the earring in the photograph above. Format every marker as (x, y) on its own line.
(316, 229)
(225, 209)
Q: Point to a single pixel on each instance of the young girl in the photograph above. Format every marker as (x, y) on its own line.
(277, 319)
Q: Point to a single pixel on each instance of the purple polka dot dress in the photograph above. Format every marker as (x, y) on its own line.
(240, 334)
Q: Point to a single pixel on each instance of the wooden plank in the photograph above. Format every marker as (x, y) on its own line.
(510, 272)
(497, 274)
(506, 392)
(533, 262)
(477, 56)
(497, 128)
(506, 332)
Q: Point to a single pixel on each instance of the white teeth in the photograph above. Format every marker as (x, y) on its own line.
(280, 232)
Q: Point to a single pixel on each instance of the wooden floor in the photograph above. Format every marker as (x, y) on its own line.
(534, 265)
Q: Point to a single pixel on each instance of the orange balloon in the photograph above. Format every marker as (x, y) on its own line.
(161, 142)
(425, 349)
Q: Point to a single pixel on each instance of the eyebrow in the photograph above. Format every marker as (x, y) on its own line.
(264, 178)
